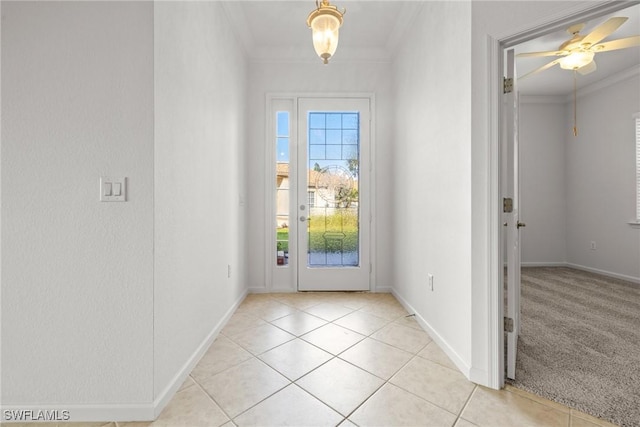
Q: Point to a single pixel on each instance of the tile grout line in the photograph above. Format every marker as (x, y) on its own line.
(466, 404)
(252, 406)
(385, 381)
(364, 401)
(213, 400)
(420, 397)
(336, 356)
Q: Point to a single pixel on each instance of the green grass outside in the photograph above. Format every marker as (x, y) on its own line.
(330, 226)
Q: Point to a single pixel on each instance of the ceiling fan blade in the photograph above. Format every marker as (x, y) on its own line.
(537, 54)
(589, 68)
(617, 44)
(538, 70)
(603, 30)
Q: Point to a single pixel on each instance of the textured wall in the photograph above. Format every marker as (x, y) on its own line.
(578, 190)
(432, 170)
(77, 274)
(600, 180)
(199, 172)
(543, 126)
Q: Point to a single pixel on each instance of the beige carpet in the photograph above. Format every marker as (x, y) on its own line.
(580, 342)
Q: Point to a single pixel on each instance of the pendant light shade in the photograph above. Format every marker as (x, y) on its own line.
(325, 22)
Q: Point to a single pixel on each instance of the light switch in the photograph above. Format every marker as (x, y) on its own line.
(113, 189)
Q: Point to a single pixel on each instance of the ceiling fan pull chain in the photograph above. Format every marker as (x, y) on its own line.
(575, 104)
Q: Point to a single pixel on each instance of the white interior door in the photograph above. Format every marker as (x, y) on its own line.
(333, 186)
(512, 218)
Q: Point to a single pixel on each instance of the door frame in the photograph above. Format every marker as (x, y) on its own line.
(496, 47)
(269, 174)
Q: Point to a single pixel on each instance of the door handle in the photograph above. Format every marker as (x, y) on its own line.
(521, 224)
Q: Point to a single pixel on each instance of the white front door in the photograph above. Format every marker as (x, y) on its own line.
(512, 217)
(333, 187)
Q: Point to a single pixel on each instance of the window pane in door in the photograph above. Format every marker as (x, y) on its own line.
(282, 188)
(332, 165)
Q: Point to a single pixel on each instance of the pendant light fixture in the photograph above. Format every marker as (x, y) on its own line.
(325, 21)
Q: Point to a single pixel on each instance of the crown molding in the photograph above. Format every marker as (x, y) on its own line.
(621, 76)
(407, 15)
(306, 54)
(237, 18)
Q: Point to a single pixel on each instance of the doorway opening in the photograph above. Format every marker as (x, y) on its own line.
(502, 47)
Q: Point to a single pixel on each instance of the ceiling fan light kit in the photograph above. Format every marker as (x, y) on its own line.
(577, 54)
(576, 60)
(325, 22)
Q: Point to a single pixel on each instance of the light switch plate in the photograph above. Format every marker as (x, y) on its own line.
(107, 187)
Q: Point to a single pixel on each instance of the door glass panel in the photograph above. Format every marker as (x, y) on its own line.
(282, 188)
(332, 184)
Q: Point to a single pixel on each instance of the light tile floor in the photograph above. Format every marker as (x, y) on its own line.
(345, 359)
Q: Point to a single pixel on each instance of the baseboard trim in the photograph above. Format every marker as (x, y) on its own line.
(583, 268)
(377, 289)
(121, 412)
(435, 336)
(543, 264)
(604, 273)
(481, 377)
(167, 394)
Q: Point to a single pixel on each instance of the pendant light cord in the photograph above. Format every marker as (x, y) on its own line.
(575, 104)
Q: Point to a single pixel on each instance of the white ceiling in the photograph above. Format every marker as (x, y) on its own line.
(372, 31)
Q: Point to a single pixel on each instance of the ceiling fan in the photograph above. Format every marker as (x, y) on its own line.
(577, 53)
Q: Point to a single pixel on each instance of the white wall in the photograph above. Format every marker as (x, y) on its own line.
(316, 78)
(578, 190)
(107, 306)
(77, 274)
(600, 180)
(200, 81)
(432, 167)
(544, 125)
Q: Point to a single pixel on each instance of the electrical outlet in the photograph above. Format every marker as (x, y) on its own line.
(593, 245)
(430, 276)
(228, 271)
